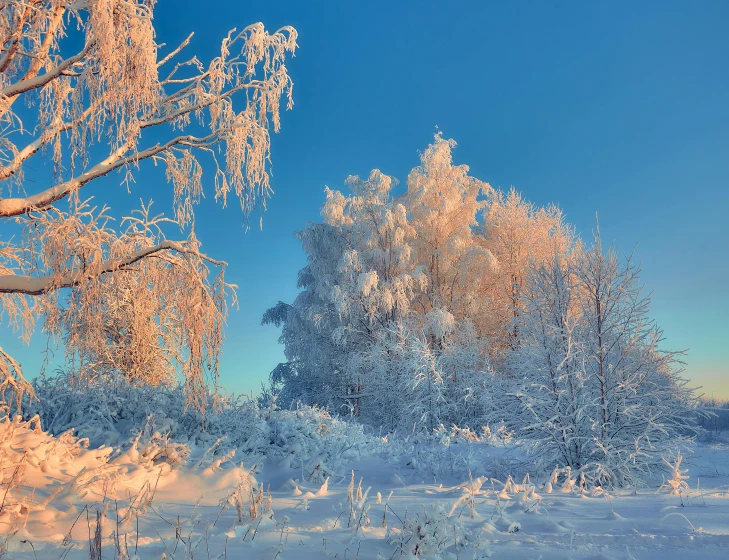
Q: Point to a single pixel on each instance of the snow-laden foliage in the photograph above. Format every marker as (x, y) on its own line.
(587, 383)
(404, 307)
(359, 283)
(428, 534)
(114, 412)
(443, 203)
(86, 85)
(454, 303)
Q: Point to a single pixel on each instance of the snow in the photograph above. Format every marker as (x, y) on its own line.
(453, 495)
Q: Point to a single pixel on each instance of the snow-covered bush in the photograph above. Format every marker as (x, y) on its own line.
(312, 439)
(454, 451)
(428, 534)
(156, 421)
(676, 484)
(112, 411)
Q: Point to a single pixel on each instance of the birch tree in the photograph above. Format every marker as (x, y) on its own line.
(518, 234)
(590, 385)
(85, 86)
(443, 203)
(639, 404)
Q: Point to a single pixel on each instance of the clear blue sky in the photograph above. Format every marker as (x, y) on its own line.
(619, 108)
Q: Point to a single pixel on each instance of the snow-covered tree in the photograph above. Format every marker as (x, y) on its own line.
(443, 204)
(638, 401)
(358, 283)
(590, 385)
(544, 391)
(86, 85)
(378, 280)
(518, 234)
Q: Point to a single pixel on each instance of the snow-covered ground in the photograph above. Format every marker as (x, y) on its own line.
(61, 500)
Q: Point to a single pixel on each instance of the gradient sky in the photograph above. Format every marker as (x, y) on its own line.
(618, 108)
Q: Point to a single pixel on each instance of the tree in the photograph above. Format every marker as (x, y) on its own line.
(518, 234)
(545, 388)
(100, 97)
(443, 204)
(590, 385)
(359, 281)
(639, 403)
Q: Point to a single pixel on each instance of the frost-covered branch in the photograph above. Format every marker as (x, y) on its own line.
(37, 285)
(108, 108)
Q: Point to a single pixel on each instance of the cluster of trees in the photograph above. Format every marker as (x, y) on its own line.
(85, 87)
(455, 303)
(407, 291)
(452, 303)
(715, 417)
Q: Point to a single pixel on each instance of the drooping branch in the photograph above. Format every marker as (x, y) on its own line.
(40, 27)
(13, 386)
(47, 136)
(244, 133)
(22, 205)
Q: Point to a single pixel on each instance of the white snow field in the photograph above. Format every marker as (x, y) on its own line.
(405, 499)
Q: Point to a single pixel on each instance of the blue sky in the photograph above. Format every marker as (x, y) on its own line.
(617, 108)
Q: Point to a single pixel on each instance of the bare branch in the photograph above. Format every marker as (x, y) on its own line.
(175, 52)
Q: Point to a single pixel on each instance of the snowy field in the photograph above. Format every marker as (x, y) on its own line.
(153, 499)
